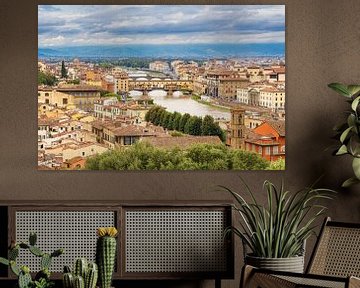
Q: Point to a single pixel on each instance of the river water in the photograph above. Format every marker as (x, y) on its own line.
(183, 104)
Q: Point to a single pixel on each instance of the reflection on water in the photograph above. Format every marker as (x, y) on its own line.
(183, 104)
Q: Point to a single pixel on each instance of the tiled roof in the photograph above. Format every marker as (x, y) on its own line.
(278, 125)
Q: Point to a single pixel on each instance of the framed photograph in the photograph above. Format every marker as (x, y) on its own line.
(161, 87)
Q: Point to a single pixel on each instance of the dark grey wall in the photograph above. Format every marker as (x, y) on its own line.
(322, 46)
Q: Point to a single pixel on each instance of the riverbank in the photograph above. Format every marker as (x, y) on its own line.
(216, 106)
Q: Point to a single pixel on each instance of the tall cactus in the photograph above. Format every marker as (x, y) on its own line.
(106, 254)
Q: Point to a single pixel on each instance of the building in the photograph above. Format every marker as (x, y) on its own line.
(268, 140)
(121, 82)
(248, 96)
(160, 66)
(70, 97)
(224, 84)
(236, 132)
(272, 98)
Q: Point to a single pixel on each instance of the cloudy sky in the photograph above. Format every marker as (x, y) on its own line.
(80, 25)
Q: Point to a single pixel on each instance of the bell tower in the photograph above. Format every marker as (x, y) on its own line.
(237, 128)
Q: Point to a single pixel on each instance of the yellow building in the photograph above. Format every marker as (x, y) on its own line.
(272, 98)
(121, 82)
(82, 150)
(70, 97)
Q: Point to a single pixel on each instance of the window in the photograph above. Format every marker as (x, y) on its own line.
(127, 140)
(275, 150)
(83, 153)
(267, 150)
(260, 150)
(47, 101)
(65, 101)
(46, 94)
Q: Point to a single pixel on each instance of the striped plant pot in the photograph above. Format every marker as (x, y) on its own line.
(291, 264)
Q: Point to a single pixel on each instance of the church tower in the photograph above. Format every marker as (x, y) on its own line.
(237, 128)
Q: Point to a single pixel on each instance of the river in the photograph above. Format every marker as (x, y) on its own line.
(183, 104)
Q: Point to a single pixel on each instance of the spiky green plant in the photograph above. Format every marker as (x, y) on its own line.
(106, 254)
(84, 273)
(279, 229)
(42, 278)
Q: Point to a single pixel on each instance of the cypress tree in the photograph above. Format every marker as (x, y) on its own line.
(63, 70)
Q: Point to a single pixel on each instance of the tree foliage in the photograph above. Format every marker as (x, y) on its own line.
(144, 156)
(192, 125)
(63, 70)
(46, 79)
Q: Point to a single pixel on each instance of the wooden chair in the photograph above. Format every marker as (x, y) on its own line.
(335, 262)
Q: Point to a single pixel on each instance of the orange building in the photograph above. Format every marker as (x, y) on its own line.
(268, 139)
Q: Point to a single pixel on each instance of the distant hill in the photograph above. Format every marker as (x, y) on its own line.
(191, 51)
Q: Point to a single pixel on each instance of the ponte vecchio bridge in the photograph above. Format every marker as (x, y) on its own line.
(169, 85)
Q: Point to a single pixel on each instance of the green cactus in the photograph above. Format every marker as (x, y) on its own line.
(24, 280)
(36, 251)
(14, 268)
(79, 282)
(87, 272)
(45, 261)
(32, 239)
(80, 267)
(105, 258)
(68, 280)
(91, 276)
(4, 261)
(42, 278)
(13, 253)
(57, 252)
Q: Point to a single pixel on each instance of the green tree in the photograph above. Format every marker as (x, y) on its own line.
(159, 116)
(176, 121)
(193, 126)
(183, 120)
(169, 126)
(165, 119)
(208, 125)
(63, 70)
(46, 79)
(144, 156)
(245, 160)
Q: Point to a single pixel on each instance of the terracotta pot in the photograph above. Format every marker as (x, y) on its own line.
(291, 264)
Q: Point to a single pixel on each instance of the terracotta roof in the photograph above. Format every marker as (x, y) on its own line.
(278, 125)
(133, 130)
(74, 160)
(182, 141)
(78, 88)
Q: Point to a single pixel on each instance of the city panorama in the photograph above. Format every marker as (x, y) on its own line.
(161, 87)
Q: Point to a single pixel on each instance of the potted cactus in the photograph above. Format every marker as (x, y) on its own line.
(106, 254)
(84, 275)
(42, 278)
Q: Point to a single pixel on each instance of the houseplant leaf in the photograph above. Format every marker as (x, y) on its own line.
(340, 88)
(349, 182)
(356, 167)
(342, 150)
(355, 103)
(353, 89)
